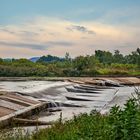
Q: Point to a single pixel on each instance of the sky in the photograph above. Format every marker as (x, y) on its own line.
(31, 28)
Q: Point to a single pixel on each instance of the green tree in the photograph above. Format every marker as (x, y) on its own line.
(118, 58)
(104, 57)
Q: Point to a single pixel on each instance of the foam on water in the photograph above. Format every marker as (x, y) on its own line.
(55, 93)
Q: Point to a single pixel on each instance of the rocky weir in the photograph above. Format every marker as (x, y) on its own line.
(34, 102)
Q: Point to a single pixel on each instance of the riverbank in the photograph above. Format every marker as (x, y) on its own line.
(125, 80)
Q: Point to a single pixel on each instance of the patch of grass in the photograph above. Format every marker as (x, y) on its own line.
(134, 73)
(111, 71)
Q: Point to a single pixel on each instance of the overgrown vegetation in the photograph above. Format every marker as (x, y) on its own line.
(102, 63)
(119, 124)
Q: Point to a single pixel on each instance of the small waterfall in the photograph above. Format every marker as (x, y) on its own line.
(53, 104)
(59, 104)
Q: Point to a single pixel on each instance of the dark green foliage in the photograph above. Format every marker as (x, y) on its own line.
(49, 58)
(104, 57)
(126, 123)
(134, 57)
(118, 58)
(102, 63)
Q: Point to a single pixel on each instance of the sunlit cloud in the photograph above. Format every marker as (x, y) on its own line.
(43, 35)
(81, 29)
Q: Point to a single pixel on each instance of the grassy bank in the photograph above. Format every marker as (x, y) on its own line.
(119, 124)
(54, 70)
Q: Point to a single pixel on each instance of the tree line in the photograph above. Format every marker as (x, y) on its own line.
(100, 63)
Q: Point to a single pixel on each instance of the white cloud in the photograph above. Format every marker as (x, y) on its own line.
(49, 35)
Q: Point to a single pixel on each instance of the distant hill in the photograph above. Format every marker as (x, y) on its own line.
(50, 58)
(34, 59)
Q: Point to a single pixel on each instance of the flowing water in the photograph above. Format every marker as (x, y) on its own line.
(70, 103)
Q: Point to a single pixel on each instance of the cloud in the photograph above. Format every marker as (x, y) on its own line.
(80, 29)
(57, 36)
(60, 43)
(36, 46)
(28, 33)
(6, 30)
(23, 45)
(17, 32)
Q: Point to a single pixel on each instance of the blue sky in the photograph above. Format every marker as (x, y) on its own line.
(76, 10)
(23, 24)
